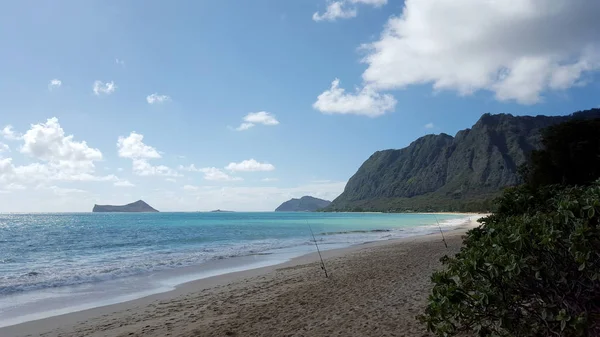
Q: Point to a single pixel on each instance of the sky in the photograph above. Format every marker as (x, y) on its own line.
(242, 105)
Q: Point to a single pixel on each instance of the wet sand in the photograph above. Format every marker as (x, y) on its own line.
(374, 289)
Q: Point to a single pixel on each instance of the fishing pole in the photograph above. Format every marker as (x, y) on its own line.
(440, 227)
(318, 251)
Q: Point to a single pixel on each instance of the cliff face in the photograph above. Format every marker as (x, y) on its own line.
(138, 206)
(441, 172)
(304, 204)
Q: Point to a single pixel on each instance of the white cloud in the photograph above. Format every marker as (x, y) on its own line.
(171, 180)
(10, 134)
(190, 188)
(156, 98)
(249, 165)
(62, 158)
(142, 167)
(253, 118)
(15, 187)
(54, 83)
(190, 168)
(4, 148)
(269, 179)
(210, 173)
(335, 10)
(104, 88)
(120, 62)
(123, 183)
(261, 117)
(215, 174)
(133, 147)
(429, 126)
(365, 101)
(344, 9)
(516, 49)
(48, 142)
(62, 191)
(244, 126)
(246, 198)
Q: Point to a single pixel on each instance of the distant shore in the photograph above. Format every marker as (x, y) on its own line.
(374, 288)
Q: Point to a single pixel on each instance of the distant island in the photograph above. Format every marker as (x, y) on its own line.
(220, 211)
(304, 204)
(138, 206)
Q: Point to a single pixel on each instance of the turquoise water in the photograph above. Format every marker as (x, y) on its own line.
(45, 254)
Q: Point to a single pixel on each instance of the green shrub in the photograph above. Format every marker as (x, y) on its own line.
(531, 269)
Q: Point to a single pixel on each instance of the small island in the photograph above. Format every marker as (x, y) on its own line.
(134, 207)
(304, 204)
(220, 211)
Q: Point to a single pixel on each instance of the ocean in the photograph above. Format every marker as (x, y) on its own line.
(52, 264)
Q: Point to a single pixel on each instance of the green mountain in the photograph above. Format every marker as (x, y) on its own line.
(445, 173)
(138, 206)
(304, 204)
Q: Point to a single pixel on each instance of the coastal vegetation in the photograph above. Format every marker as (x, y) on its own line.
(533, 267)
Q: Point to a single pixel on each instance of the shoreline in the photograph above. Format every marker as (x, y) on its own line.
(37, 326)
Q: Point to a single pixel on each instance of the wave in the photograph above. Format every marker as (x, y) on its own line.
(358, 232)
(108, 264)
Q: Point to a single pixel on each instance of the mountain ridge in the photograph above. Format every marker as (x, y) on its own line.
(445, 173)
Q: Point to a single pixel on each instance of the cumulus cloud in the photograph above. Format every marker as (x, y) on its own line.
(250, 165)
(365, 101)
(335, 10)
(210, 173)
(8, 133)
(133, 147)
(59, 157)
(429, 126)
(124, 183)
(54, 83)
(190, 168)
(253, 118)
(48, 142)
(344, 9)
(516, 49)
(190, 188)
(142, 167)
(156, 98)
(104, 88)
(120, 62)
(215, 174)
(244, 126)
(4, 148)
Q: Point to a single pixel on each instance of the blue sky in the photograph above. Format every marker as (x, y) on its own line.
(406, 69)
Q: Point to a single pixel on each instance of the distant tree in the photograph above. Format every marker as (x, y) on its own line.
(571, 155)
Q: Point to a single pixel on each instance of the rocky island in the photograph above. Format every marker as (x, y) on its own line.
(304, 204)
(138, 206)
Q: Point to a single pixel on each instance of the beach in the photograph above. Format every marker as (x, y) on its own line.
(374, 289)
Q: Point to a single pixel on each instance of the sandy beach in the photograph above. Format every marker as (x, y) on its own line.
(374, 289)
